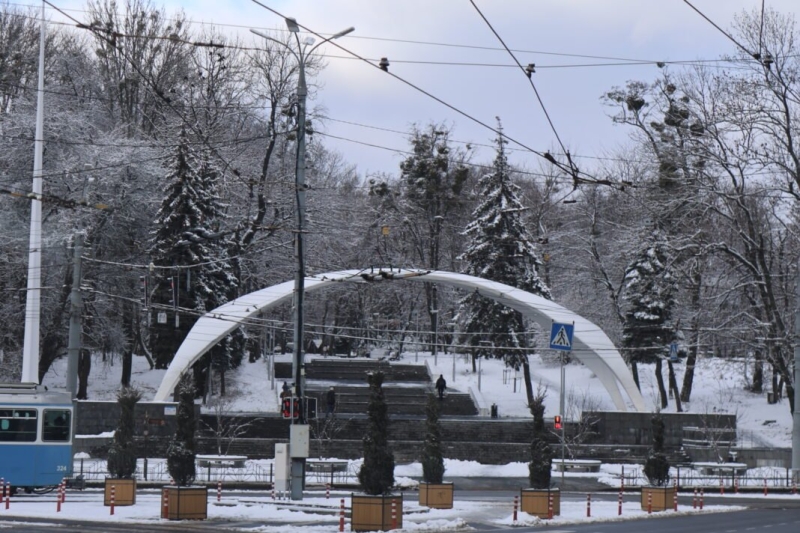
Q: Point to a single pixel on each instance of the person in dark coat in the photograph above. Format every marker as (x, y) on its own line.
(441, 385)
(330, 398)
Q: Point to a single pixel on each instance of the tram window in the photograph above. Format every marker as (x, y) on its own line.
(17, 425)
(56, 425)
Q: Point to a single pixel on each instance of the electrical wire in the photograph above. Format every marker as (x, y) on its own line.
(543, 155)
(755, 56)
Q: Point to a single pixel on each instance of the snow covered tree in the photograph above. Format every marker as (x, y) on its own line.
(433, 179)
(501, 249)
(122, 454)
(650, 290)
(189, 248)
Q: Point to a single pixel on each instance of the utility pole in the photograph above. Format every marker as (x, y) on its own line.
(299, 430)
(75, 313)
(796, 413)
(33, 303)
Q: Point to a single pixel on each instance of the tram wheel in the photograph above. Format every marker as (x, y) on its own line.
(41, 490)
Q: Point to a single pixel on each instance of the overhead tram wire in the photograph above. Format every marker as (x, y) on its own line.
(754, 55)
(546, 156)
(528, 74)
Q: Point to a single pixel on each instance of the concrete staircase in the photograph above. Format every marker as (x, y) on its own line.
(406, 387)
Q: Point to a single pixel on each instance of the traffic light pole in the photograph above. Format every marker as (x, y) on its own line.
(561, 414)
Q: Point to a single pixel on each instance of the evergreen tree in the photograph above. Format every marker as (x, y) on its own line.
(377, 472)
(650, 289)
(187, 239)
(541, 464)
(432, 459)
(122, 454)
(181, 452)
(500, 249)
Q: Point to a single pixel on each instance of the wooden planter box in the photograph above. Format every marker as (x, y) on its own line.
(184, 503)
(663, 498)
(374, 513)
(124, 492)
(436, 495)
(536, 502)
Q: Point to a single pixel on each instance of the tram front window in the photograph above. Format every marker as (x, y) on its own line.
(17, 425)
(56, 425)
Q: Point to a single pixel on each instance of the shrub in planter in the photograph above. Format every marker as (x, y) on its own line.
(377, 473)
(122, 453)
(372, 510)
(536, 500)
(659, 495)
(183, 502)
(432, 491)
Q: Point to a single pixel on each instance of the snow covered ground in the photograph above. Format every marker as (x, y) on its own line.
(719, 387)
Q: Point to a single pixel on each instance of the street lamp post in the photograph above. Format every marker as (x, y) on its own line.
(298, 370)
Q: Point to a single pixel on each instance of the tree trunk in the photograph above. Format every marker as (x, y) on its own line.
(526, 373)
(661, 388)
(673, 385)
(127, 368)
(775, 389)
(84, 368)
(758, 373)
(688, 376)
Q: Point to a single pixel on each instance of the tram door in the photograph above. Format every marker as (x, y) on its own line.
(54, 461)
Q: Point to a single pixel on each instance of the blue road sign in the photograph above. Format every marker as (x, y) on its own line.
(561, 336)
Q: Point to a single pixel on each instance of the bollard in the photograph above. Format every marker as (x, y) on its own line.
(327, 491)
(619, 504)
(8, 494)
(273, 492)
(63, 490)
(550, 506)
(394, 513)
(721, 487)
(694, 500)
(341, 516)
(794, 488)
(675, 499)
(765, 486)
(58, 499)
(166, 504)
(516, 503)
(113, 490)
(588, 506)
(219, 490)
(735, 484)
(702, 494)
(649, 503)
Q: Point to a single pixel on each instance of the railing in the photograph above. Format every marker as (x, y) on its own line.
(773, 477)
(253, 471)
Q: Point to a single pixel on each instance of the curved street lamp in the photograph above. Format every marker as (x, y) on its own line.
(304, 50)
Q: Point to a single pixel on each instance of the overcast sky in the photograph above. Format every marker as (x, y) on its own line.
(556, 35)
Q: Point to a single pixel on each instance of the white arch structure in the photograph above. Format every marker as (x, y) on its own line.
(590, 345)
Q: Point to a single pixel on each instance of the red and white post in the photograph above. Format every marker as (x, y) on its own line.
(765, 486)
(113, 495)
(694, 500)
(219, 490)
(721, 487)
(327, 491)
(619, 504)
(394, 513)
(8, 494)
(63, 490)
(516, 505)
(675, 499)
(702, 494)
(341, 515)
(588, 506)
(649, 503)
(550, 506)
(166, 504)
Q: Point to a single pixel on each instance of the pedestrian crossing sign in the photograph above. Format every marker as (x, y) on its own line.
(561, 336)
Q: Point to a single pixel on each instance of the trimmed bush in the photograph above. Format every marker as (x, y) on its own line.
(432, 459)
(541, 464)
(377, 473)
(122, 454)
(181, 452)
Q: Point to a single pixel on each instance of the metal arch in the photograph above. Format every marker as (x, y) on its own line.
(591, 346)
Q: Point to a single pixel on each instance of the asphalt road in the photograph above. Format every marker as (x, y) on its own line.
(771, 515)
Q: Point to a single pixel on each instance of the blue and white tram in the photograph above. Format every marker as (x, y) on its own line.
(35, 436)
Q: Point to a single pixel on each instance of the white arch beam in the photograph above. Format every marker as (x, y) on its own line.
(590, 345)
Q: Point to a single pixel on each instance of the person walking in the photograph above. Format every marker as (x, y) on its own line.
(441, 385)
(330, 398)
(286, 390)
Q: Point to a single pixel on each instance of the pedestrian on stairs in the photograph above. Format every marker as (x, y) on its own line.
(441, 385)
